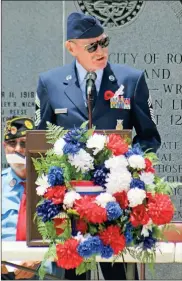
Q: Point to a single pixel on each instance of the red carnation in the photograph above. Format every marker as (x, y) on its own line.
(56, 194)
(89, 210)
(149, 166)
(58, 224)
(139, 216)
(67, 255)
(81, 226)
(122, 199)
(112, 237)
(108, 95)
(160, 208)
(117, 144)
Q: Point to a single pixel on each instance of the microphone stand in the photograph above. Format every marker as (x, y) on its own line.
(89, 103)
(90, 96)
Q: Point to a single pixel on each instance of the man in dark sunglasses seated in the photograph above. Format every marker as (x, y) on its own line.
(13, 191)
(62, 97)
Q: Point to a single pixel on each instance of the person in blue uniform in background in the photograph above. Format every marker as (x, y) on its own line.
(13, 182)
(61, 96)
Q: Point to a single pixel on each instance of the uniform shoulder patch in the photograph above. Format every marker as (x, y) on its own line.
(152, 115)
(37, 118)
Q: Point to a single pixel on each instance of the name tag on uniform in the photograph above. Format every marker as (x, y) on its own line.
(60, 110)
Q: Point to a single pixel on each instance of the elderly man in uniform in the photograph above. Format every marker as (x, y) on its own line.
(13, 189)
(13, 219)
(62, 99)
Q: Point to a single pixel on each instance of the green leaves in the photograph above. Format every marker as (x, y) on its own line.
(54, 132)
(49, 255)
(67, 230)
(102, 156)
(46, 229)
(89, 264)
(92, 229)
(152, 157)
(165, 187)
(144, 256)
(84, 125)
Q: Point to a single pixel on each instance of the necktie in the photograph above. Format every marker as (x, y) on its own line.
(21, 224)
(93, 90)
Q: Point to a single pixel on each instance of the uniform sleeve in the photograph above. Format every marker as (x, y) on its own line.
(143, 118)
(43, 109)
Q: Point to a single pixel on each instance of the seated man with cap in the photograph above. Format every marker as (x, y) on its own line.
(62, 94)
(13, 220)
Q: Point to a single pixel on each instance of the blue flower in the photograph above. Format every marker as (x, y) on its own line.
(75, 140)
(113, 211)
(106, 252)
(148, 242)
(137, 183)
(99, 175)
(55, 176)
(47, 210)
(93, 245)
(129, 226)
(129, 236)
(74, 135)
(70, 148)
(136, 149)
(128, 233)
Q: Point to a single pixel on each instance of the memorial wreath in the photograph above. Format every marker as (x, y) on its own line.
(99, 195)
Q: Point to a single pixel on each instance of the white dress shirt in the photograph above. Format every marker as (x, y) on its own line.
(82, 72)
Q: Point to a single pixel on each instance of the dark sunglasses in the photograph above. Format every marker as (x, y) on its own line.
(13, 143)
(104, 42)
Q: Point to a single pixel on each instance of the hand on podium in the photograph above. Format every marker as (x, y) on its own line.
(23, 274)
(4, 269)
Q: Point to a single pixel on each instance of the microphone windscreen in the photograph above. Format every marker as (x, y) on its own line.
(91, 76)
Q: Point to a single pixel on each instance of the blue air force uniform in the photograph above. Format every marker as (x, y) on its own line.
(61, 100)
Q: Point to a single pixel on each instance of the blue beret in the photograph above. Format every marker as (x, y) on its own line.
(81, 26)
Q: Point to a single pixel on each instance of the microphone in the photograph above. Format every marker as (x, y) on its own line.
(90, 81)
(91, 94)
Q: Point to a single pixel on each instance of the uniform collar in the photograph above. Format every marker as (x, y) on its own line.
(82, 73)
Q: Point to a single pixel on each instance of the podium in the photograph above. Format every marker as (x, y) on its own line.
(35, 144)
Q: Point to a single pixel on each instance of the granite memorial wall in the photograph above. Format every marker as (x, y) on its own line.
(144, 34)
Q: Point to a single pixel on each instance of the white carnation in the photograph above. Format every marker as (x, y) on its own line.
(96, 141)
(79, 237)
(147, 178)
(136, 162)
(82, 161)
(146, 228)
(43, 184)
(136, 196)
(118, 181)
(58, 146)
(70, 198)
(116, 163)
(104, 198)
